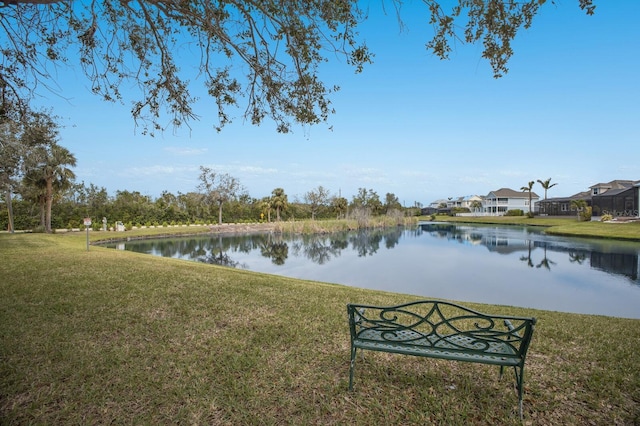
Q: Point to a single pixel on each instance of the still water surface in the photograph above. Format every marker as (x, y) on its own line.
(499, 265)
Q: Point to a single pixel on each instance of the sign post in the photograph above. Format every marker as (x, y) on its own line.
(87, 224)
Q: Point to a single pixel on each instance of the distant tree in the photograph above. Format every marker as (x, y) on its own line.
(317, 199)
(339, 206)
(360, 199)
(278, 46)
(582, 209)
(528, 189)
(546, 185)
(265, 206)
(11, 154)
(279, 201)
(476, 205)
(22, 147)
(133, 207)
(218, 189)
(53, 169)
(391, 202)
(98, 202)
(33, 190)
(191, 204)
(367, 199)
(168, 207)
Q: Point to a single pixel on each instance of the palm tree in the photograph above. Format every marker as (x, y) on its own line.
(56, 175)
(546, 185)
(528, 189)
(279, 201)
(33, 189)
(265, 205)
(340, 205)
(476, 205)
(579, 205)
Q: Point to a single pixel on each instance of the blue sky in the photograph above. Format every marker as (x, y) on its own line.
(410, 124)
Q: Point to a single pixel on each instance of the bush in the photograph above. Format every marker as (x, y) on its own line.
(456, 210)
(606, 218)
(514, 212)
(585, 214)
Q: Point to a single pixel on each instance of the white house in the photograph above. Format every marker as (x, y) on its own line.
(465, 202)
(504, 199)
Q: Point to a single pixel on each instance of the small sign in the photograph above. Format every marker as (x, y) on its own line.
(87, 221)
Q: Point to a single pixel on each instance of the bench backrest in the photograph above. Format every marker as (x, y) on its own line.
(426, 322)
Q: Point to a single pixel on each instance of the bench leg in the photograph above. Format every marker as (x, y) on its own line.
(519, 372)
(352, 367)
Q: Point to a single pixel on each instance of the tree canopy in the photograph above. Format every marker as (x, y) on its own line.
(264, 55)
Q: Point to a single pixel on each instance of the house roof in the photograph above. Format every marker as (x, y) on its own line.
(613, 192)
(615, 184)
(510, 193)
(585, 195)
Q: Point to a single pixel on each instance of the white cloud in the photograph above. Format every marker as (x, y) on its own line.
(185, 151)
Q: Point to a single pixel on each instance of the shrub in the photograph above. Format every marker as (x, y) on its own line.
(514, 212)
(456, 210)
(585, 214)
(606, 218)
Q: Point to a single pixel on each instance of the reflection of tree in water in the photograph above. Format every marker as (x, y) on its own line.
(527, 258)
(545, 262)
(214, 252)
(317, 248)
(452, 232)
(366, 242)
(576, 257)
(219, 258)
(275, 249)
(392, 237)
(220, 249)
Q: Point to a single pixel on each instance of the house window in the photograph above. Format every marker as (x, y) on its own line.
(595, 191)
(563, 207)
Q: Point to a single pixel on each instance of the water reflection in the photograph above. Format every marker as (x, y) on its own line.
(500, 265)
(613, 257)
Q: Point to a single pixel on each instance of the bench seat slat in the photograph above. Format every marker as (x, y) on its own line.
(436, 346)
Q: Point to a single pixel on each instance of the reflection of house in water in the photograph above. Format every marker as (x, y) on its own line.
(501, 241)
(503, 245)
(617, 263)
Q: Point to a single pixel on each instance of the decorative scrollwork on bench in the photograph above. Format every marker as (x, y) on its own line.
(444, 330)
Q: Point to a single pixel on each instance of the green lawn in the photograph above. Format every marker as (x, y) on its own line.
(105, 336)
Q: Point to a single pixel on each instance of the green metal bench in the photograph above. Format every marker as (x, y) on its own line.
(437, 329)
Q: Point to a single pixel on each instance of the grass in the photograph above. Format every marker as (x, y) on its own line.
(106, 336)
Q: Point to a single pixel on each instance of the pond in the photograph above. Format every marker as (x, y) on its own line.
(517, 266)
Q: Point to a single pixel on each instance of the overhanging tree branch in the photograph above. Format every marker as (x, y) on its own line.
(264, 53)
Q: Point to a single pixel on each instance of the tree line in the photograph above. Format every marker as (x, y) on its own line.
(40, 192)
(78, 200)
